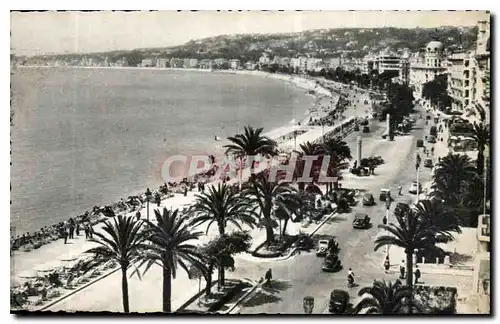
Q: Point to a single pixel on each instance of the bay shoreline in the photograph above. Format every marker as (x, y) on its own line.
(308, 85)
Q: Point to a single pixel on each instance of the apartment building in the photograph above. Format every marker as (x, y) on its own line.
(481, 277)
(483, 67)
(461, 80)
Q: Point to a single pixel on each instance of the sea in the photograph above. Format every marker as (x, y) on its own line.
(83, 137)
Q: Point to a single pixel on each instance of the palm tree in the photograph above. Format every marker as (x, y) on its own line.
(452, 176)
(339, 151)
(123, 243)
(384, 298)
(482, 136)
(171, 246)
(268, 197)
(410, 233)
(222, 205)
(435, 214)
(251, 143)
(307, 149)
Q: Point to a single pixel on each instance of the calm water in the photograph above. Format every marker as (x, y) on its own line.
(85, 137)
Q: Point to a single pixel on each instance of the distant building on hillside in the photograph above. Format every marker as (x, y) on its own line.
(206, 64)
(161, 63)
(176, 62)
(234, 64)
(220, 63)
(250, 65)
(148, 62)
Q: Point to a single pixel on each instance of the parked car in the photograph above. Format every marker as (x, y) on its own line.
(401, 208)
(428, 163)
(364, 122)
(368, 199)
(361, 221)
(366, 129)
(420, 143)
(414, 187)
(431, 139)
(322, 248)
(384, 193)
(339, 301)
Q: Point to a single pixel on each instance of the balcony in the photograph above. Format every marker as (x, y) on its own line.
(483, 228)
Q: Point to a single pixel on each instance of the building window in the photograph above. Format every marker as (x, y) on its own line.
(466, 83)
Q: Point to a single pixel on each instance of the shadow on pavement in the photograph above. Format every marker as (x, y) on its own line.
(266, 294)
(459, 258)
(339, 218)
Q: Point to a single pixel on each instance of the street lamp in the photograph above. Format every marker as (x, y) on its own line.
(148, 198)
(308, 304)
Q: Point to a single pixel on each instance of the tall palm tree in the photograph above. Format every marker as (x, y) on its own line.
(222, 205)
(306, 149)
(251, 143)
(482, 136)
(121, 240)
(171, 246)
(269, 196)
(410, 233)
(435, 214)
(452, 176)
(339, 152)
(384, 298)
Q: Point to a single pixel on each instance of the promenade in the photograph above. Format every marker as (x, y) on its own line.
(27, 264)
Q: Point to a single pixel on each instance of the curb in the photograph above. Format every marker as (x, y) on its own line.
(244, 297)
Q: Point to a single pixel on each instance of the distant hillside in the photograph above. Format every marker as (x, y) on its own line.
(350, 42)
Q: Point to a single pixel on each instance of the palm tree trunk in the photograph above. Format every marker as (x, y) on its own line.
(167, 289)
(269, 232)
(208, 278)
(480, 161)
(284, 226)
(125, 290)
(221, 276)
(409, 275)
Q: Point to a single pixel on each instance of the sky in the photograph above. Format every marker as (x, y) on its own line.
(35, 33)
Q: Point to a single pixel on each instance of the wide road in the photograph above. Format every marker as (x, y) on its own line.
(302, 275)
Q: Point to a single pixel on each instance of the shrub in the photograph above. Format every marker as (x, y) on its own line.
(436, 300)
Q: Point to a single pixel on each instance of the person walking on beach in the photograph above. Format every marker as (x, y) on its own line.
(86, 229)
(65, 235)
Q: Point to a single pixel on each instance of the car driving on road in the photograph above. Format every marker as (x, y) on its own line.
(322, 248)
(361, 221)
(414, 187)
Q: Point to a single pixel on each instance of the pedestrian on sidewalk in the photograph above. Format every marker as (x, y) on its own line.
(387, 264)
(77, 229)
(269, 277)
(417, 274)
(138, 215)
(400, 188)
(402, 269)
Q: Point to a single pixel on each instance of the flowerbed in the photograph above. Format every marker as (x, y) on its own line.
(438, 300)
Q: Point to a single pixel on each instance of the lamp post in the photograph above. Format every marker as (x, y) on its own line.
(148, 198)
(417, 165)
(388, 202)
(308, 304)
